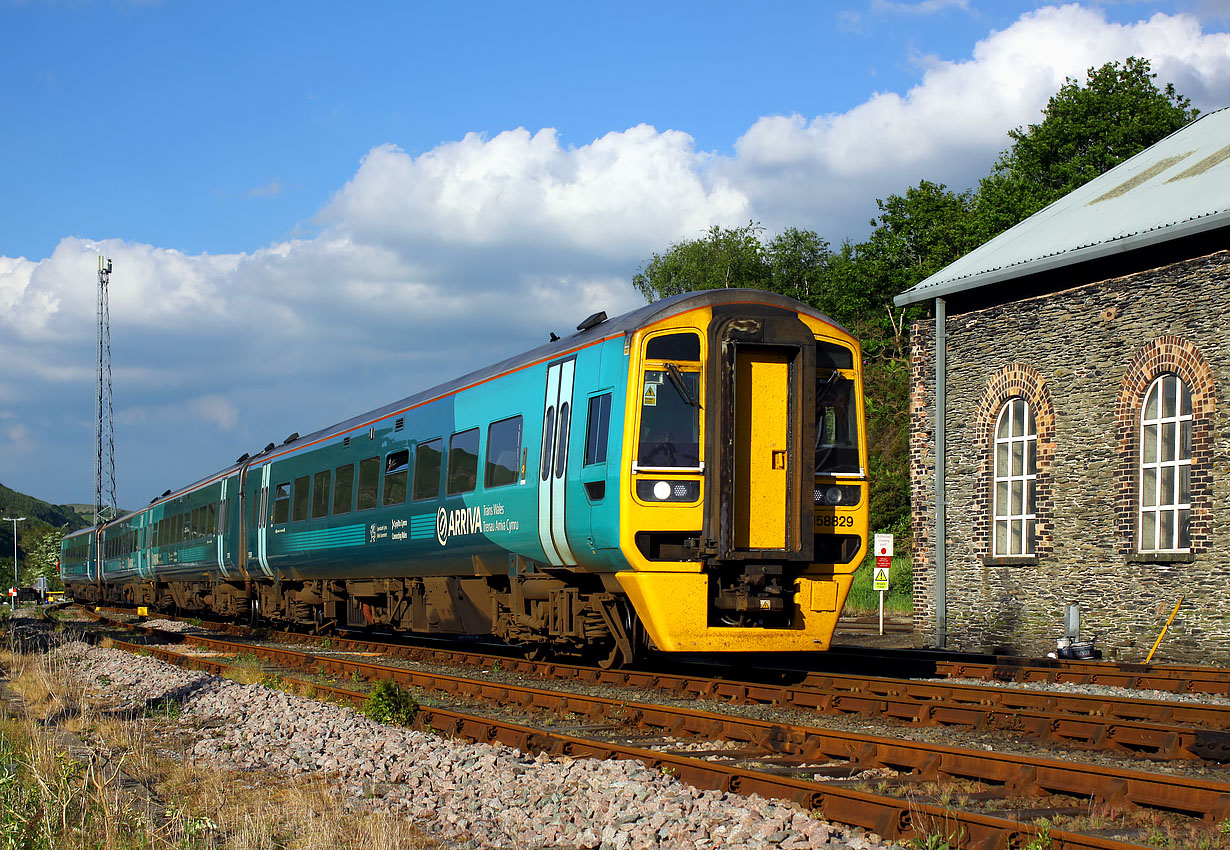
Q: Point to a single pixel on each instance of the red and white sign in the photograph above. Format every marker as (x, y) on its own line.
(884, 560)
(12, 591)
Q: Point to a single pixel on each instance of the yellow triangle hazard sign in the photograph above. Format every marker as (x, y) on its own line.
(881, 575)
(651, 395)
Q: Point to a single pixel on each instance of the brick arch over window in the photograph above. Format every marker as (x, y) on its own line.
(1015, 381)
(1166, 355)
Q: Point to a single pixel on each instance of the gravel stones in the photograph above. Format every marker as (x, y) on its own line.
(474, 795)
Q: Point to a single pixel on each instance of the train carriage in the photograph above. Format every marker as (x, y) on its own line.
(688, 477)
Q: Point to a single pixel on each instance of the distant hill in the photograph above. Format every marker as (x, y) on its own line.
(37, 513)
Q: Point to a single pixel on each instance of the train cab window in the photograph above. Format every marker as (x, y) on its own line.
(320, 493)
(211, 518)
(836, 412)
(369, 483)
(597, 429)
(670, 402)
(679, 347)
(343, 489)
(503, 452)
(396, 469)
(427, 465)
(463, 462)
(670, 419)
(301, 499)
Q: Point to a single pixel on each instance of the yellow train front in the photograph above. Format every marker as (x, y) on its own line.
(743, 513)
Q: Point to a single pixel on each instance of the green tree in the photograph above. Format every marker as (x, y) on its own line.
(42, 557)
(723, 257)
(1086, 130)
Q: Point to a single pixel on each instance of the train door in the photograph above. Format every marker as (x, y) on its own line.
(261, 520)
(553, 463)
(762, 452)
(222, 523)
(763, 458)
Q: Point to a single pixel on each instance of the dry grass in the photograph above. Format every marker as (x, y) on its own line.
(53, 798)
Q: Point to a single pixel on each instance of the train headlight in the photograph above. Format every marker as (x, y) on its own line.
(667, 491)
(839, 494)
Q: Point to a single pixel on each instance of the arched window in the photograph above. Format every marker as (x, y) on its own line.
(1166, 467)
(1016, 473)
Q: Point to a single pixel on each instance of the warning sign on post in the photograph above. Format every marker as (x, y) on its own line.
(884, 560)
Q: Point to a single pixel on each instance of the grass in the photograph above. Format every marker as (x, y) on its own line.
(54, 798)
(899, 599)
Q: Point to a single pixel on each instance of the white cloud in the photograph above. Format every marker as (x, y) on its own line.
(627, 191)
(951, 125)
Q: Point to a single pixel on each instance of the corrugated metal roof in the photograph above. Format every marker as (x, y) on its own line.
(1177, 187)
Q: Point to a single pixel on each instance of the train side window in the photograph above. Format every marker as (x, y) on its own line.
(211, 518)
(548, 443)
(396, 470)
(343, 489)
(561, 453)
(427, 469)
(320, 493)
(503, 452)
(369, 483)
(301, 499)
(462, 462)
(597, 429)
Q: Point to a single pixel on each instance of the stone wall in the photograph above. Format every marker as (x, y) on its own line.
(1083, 359)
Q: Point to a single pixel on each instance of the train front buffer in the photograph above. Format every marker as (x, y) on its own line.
(744, 507)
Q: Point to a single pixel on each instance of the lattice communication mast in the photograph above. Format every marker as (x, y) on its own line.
(104, 465)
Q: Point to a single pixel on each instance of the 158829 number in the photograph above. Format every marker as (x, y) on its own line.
(834, 521)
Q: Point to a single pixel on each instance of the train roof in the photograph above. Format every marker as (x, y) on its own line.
(592, 334)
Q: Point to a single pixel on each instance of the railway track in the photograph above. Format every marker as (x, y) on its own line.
(1152, 729)
(1173, 678)
(818, 768)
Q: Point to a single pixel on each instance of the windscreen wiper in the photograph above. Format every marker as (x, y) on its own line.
(681, 386)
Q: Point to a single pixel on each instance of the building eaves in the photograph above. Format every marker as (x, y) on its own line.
(1178, 187)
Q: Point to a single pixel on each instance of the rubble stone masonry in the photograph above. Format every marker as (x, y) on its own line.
(1084, 359)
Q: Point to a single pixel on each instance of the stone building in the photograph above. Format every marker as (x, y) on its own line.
(1082, 372)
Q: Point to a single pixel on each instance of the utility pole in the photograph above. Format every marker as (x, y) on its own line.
(105, 507)
(14, 520)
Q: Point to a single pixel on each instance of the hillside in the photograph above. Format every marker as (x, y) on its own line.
(38, 514)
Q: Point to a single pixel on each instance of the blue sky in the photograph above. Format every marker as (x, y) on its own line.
(305, 203)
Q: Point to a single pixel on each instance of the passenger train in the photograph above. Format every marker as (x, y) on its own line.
(688, 477)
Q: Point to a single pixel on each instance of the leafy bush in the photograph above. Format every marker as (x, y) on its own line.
(388, 702)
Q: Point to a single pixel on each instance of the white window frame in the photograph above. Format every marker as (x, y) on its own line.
(1014, 486)
(1164, 494)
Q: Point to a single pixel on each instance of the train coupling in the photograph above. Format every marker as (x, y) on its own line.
(758, 588)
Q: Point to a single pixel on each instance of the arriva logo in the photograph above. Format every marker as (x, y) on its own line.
(459, 521)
